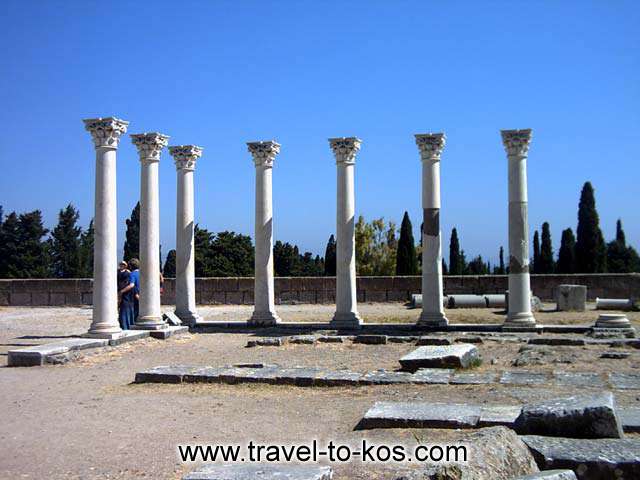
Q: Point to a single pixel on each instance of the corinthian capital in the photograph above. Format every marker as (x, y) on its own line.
(185, 156)
(430, 145)
(149, 145)
(345, 149)
(516, 142)
(264, 153)
(105, 132)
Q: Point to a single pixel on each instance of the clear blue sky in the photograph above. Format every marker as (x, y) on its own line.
(220, 73)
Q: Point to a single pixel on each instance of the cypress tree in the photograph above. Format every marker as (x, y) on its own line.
(33, 254)
(132, 241)
(9, 258)
(455, 265)
(546, 250)
(566, 254)
(445, 270)
(330, 258)
(169, 269)
(501, 269)
(590, 247)
(406, 259)
(65, 245)
(620, 257)
(86, 252)
(536, 252)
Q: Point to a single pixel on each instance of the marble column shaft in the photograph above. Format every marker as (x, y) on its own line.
(149, 147)
(264, 154)
(431, 146)
(346, 315)
(516, 144)
(185, 157)
(105, 133)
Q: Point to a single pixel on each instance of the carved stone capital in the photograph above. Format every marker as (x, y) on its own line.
(430, 145)
(345, 149)
(185, 156)
(106, 132)
(516, 142)
(149, 145)
(264, 153)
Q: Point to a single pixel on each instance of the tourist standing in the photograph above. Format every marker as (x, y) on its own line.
(126, 315)
(134, 264)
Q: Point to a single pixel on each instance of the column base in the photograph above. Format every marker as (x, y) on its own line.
(188, 318)
(264, 319)
(103, 330)
(432, 319)
(346, 321)
(612, 320)
(520, 319)
(149, 323)
(104, 335)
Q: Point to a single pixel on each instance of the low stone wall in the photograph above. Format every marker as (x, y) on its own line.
(239, 291)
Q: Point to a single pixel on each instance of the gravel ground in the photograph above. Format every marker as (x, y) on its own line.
(85, 420)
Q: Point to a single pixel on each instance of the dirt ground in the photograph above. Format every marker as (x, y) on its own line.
(86, 420)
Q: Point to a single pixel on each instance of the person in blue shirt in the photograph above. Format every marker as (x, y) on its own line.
(134, 265)
(126, 315)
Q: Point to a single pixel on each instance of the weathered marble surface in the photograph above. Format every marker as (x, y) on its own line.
(450, 356)
(261, 472)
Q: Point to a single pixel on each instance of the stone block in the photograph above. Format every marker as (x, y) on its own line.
(260, 472)
(571, 298)
(523, 378)
(129, 336)
(550, 475)
(473, 378)
(246, 284)
(451, 356)
(226, 284)
(165, 333)
(34, 356)
(30, 285)
(630, 418)
(40, 299)
(401, 339)
(615, 355)
(432, 376)
(307, 296)
(339, 378)
(165, 374)
(4, 299)
(282, 284)
(375, 296)
(82, 343)
(331, 339)
(381, 284)
(578, 379)
(398, 295)
(597, 459)
(580, 416)
(266, 342)
(625, 381)
(469, 339)
(427, 340)
(74, 298)
(61, 285)
(384, 377)
(567, 341)
(419, 415)
(326, 296)
(5, 285)
(19, 299)
(172, 319)
(371, 339)
(56, 299)
(491, 416)
(248, 298)
(302, 339)
(87, 298)
(233, 298)
(290, 296)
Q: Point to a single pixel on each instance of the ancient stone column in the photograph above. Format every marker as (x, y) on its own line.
(346, 315)
(516, 144)
(185, 157)
(431, 146)
(106, 134)
(149, 147)
(264, 312)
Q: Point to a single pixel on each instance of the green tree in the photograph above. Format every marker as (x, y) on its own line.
(169, 269)
(9, 257)
(477, 267)
(566, 254)
(406, 259)
(330, 257)
(376, 247)
(65, 245)
(132, 241)
(536, 252)
(590, 247)
(86, 252)
(232, 255)
(33, 254)
(456, 262)
(501, 270)
(620, 257)
(546, 250)
(285, 259)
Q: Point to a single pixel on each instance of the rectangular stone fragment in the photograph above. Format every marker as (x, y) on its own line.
(597, 459)
(165, 374)
(461, 355)
(473, 378)
(34, 356)
(432, 376)
(204, 375)
(427, 340)
(261, 472)
(630, 418)
(419, 415)
(567, 341)
(578, 379)
(491, 416)
(129, 336)
(339, 378)
(563, 474)
(371, 339)
(523, 378)
(168, 332)
(625, 381)
(384, 377)
(83, 343)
